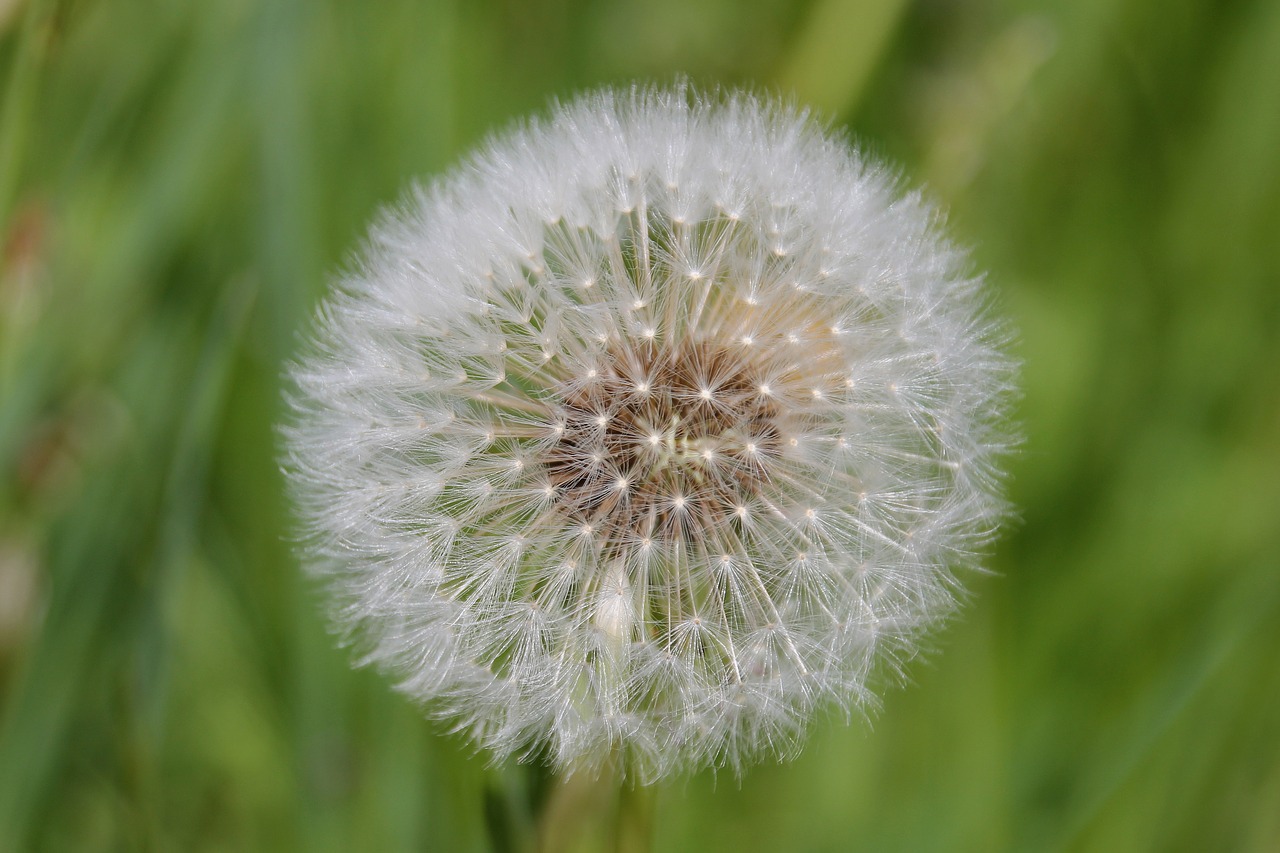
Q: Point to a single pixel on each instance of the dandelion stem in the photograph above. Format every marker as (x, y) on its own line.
(571, 812)
(633, 824)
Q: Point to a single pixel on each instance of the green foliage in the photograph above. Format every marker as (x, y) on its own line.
(177, 181)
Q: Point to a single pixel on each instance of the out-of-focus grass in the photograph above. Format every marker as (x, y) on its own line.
(178, 179)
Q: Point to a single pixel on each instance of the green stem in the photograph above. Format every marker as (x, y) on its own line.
(604, 812)
(572, 810)
(633, 824)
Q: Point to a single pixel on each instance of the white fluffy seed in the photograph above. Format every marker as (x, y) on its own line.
(706, 534)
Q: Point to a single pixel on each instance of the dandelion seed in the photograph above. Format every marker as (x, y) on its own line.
(669, 550)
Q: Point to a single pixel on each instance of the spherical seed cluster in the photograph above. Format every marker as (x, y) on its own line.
(647, 432)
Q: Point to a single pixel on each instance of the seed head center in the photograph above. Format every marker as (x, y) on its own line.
(684, 427)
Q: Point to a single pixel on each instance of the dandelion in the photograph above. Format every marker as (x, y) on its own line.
(654, 429)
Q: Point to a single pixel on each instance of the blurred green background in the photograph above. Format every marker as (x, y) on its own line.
(178, 181)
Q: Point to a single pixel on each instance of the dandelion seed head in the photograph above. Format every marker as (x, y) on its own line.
(651, 430)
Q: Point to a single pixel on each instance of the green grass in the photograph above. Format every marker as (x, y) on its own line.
(177, 183)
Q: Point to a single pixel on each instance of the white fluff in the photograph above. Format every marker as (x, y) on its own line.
(649, 431)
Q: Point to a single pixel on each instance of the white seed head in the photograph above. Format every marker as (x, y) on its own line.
(651, 430)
